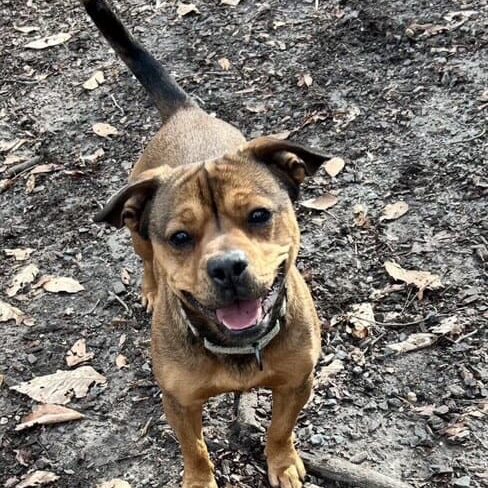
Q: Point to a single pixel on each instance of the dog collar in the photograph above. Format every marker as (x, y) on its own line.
(256, 348)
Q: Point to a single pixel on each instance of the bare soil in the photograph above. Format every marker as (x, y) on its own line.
(407, 113)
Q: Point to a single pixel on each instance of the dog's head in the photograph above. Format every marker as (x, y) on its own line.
(223, 232)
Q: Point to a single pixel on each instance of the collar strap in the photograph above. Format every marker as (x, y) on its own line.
(256, 348)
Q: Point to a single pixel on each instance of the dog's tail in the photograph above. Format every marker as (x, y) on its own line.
(164, 90)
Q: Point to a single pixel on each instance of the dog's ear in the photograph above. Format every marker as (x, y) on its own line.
(131, 205)
(290, 162)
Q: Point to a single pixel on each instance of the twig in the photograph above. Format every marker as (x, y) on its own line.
(392, 324)
(113, 295)
(19, 168)
(465, 336)
(92, 309)
(469, 139)
(335, 469)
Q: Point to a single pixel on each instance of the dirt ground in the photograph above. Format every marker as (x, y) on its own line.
(405, 106)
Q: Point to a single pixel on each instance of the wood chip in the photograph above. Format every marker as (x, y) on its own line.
(78, 354)
(58, 284)
(121, 361)
(95, 80)
(326, 373)
(115, 483)
(361, 317)
(413, 342)
(104, 130)
(9, 312)
(448, 326)
(49, 41)
(394, 211)
(37, 478)
(186, 8)
(19, 254)
(224, 63)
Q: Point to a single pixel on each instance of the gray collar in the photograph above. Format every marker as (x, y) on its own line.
(256, 348)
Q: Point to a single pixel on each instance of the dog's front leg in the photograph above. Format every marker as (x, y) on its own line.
(186, 421)
(285, 468)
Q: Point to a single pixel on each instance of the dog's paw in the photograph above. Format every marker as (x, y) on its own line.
(148, 298)
(286, 471)
(199, 484)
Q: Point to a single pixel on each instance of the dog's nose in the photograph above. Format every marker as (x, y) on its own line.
(226, 270)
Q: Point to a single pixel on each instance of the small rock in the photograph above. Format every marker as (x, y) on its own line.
(456, 391)
(411, 397)
(31, 358)
(359, 458)
(317, 440)
(463, 482)
(118, 287)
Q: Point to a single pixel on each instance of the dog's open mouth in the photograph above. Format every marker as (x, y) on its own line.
(244, 315)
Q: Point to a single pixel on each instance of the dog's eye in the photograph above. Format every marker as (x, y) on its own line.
(259, 216)
(180, 239)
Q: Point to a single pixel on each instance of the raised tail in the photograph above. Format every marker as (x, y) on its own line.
(163, 89)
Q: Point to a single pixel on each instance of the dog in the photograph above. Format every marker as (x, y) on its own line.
(211, 215)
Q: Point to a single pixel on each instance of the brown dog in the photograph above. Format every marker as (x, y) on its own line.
(211, 215)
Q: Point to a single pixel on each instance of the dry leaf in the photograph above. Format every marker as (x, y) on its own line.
(394, 211)
(323, 202)
(232, 3)
(186, 8)
(77, 354)
(37, 478)
(23, 277)
(7, 146)
(60, 387)
(115, 483)
(26, 29)
(255, 107)
(448, 326)
(49, 41)
(361, 317)
(104, 130)
(124, 276)
(421, 279)
(360, 215)
(19, 254)
(121, 361)
(46, 168)
(30, 184)
(95, 80)
(305, 80)
(49, 414)
(9, 312)
(92, 158)
(334, 166)
(426, 410)
(457, 432)
(57, 284)
(328, 372)
(224, 63)
(413, 342)
(342, 118)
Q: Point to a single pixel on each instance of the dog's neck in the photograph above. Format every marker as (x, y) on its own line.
(213, 345)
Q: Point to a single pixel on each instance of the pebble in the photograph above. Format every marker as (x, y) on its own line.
(317, 440)
(118, 287)
(411, 397)
(463, 482)
(359, 458)
(456, 391)
(31, 358)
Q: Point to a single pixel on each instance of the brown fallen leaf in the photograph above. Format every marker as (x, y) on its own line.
(326, 373)
(19, 254)
(13, 145)
(103, 129)
(124, 276)
(78, 354)
(232, 3)
(5, 184)
(95, 80)
(421, 279)
(26, 29)
(413, 342)
(186, 8)
(115, 483)
(60, 387)
(448, 326)
(323, 202)
(30, 184)
(361, 317)
(49, 41)
(57, 284)
(46, 168)
(334, 166)
(37, 478)
(121, 361)
(224, 63)
(361, 218)
(394, 211)
(457, 432)
(305, 79)
(23, 277)
(49, 414)
(9, 312)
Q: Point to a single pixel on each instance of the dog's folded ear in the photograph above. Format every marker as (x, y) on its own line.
(289, 161)
(131, 205)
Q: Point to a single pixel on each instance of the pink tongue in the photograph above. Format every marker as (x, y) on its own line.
(241, 315)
